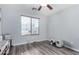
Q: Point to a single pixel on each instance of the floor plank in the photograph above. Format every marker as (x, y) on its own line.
(40, 48)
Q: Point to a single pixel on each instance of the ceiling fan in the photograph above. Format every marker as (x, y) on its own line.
(41, 6)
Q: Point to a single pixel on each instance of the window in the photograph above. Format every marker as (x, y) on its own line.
(29, 25)
(35, 26)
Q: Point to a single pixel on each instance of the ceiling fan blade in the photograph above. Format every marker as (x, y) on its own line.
(50, 7)
(34, 8)
(39, 8)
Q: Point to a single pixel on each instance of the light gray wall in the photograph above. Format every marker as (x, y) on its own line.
(11, 23)
(0, 22)
(0, 27)
(64, 25)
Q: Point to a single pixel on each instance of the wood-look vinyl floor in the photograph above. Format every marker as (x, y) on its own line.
(40, 48)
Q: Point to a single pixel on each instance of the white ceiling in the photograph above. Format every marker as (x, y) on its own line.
(56, 8)
(45, 11)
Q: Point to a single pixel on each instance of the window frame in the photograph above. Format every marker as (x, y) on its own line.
(31, 25)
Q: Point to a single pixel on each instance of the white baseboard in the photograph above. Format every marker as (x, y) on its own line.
(44, 40)
(72, 48)
(19, 44)
(28, 42)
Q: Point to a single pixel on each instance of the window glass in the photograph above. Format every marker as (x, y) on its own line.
(35, 26)
(29, 25)
(25, 25)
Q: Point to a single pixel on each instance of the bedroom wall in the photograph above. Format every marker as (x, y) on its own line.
(64, 25)
(0, 27)
(0, 22)
(11, 23)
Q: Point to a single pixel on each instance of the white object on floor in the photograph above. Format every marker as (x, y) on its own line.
(54, 40)
(59, 43)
